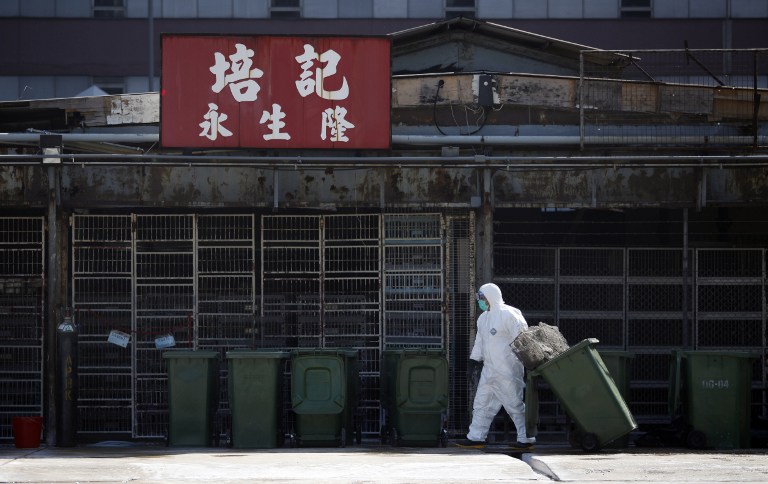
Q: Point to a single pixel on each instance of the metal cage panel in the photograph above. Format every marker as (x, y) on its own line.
(635, 299)
(102, 299)
(22, 316)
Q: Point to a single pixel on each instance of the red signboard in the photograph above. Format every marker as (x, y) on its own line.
(275, 92)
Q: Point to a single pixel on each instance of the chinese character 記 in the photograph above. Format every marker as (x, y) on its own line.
(212, 126)
(276, 116)
(306, 84)
(240, 80)
(335, 121)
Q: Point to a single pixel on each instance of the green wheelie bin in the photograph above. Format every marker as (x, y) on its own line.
(619, 365)
(414, 394)
(255, 390)
(585, 389)
(352, 426)
(324, 392)
(193, 383)
(712, 391)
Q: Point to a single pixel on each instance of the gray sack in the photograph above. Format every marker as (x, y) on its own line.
(539, 344)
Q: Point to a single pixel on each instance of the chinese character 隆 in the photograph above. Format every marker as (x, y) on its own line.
(212, 126)
(306, 84)
(335, 121)
(240, 80)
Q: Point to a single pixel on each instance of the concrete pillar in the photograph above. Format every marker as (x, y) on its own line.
(51, 145)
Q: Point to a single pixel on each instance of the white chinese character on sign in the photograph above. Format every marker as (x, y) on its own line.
(240, 80)
(276, 116)
(212, 126)
(306, 84)
(334, 120)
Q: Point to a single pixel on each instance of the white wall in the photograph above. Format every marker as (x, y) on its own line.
(9, 88)
(73, 8)
(565, 9)
(749, 8)
(390, 8)
(530, 9)
(38, 8)
(181, 8)
(417, 9)
(356, 8)
(214, 8)
(425, 9)
(321, 9)
(494, 8)
(601, 8)
(251, 8)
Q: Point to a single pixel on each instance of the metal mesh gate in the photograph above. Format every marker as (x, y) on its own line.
(460, 276)
(187, 277)
(165, 283)
(103, 300)
(22, 273)
(634, 299)
(359, 281)
(413, 281)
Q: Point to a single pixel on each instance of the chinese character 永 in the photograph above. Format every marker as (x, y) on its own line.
(306, 84)
(240, 80)
(212, 126)
(276, 116)
(334, 120)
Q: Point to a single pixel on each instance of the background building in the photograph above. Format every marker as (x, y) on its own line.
(62, 48)
(619, 194)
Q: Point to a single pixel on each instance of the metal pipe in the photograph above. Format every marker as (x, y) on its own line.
(302, 161)
(83, 137)
(570, 140)
(151, 42)
(430, 140)
(502, 165)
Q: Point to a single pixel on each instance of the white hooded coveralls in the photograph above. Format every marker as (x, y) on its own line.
(501, 381)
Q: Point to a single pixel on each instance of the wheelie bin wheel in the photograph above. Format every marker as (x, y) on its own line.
(696, 439)
(443, 439)
(574, 437)
(590, 442)
(394, 438)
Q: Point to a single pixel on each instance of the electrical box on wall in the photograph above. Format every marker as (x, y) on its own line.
(485, 91)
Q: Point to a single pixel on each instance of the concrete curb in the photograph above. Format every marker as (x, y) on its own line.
(539, 466)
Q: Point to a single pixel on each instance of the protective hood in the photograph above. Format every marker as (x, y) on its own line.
(493, 294)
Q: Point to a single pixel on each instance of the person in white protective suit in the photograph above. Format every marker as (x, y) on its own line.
(502, 378)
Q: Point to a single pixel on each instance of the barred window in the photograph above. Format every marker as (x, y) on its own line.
(110, 85)
(460, 8)
(285, 9)
(109, 8)
(635, 8)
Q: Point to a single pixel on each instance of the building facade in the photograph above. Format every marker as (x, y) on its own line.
(616, 194)
(63, 48)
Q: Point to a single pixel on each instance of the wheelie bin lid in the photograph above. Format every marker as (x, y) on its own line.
(573, 349)
(415, 351)
(318, 384)
(732, 354)
(202, 354)
(347, 352)
(619, 353)
(260, 353)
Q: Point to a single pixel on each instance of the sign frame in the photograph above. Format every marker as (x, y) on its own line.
(251, 92)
